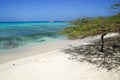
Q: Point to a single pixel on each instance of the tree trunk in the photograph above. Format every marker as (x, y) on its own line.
(102, 45)
(102, 42)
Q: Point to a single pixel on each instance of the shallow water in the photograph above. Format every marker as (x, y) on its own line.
(14, 34)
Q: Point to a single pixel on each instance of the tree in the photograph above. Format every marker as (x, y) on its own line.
(99, 25)
(93, 26)
(116, 7)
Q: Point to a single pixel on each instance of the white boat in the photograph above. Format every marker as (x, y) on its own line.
(51, 21)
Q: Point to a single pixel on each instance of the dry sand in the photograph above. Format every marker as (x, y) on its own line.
(48, 62)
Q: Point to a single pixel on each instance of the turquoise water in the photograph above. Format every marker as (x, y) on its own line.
(14, 34)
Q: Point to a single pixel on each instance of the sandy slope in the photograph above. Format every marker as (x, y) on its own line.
(53, 65)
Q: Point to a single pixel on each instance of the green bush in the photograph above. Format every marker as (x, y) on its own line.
(92, 26)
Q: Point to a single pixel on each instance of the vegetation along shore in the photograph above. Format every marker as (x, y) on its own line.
(106, 52)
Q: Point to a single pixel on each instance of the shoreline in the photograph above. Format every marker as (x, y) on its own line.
(31, 50)
(36, 49)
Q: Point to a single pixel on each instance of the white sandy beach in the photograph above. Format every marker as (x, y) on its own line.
(48, 62)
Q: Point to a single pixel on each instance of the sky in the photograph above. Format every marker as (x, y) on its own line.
(58, 10)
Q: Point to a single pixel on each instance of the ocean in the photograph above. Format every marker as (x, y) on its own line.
(15, 34)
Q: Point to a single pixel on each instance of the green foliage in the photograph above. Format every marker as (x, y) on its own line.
(88, 26)
(116, 6)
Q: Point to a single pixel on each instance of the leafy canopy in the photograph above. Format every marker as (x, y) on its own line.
(92, 26)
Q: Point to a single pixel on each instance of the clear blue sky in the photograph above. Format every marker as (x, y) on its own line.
(43, 10)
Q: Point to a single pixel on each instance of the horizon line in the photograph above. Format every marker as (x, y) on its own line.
(33, 21)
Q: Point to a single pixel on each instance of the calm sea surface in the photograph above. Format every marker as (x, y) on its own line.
(14, 34)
